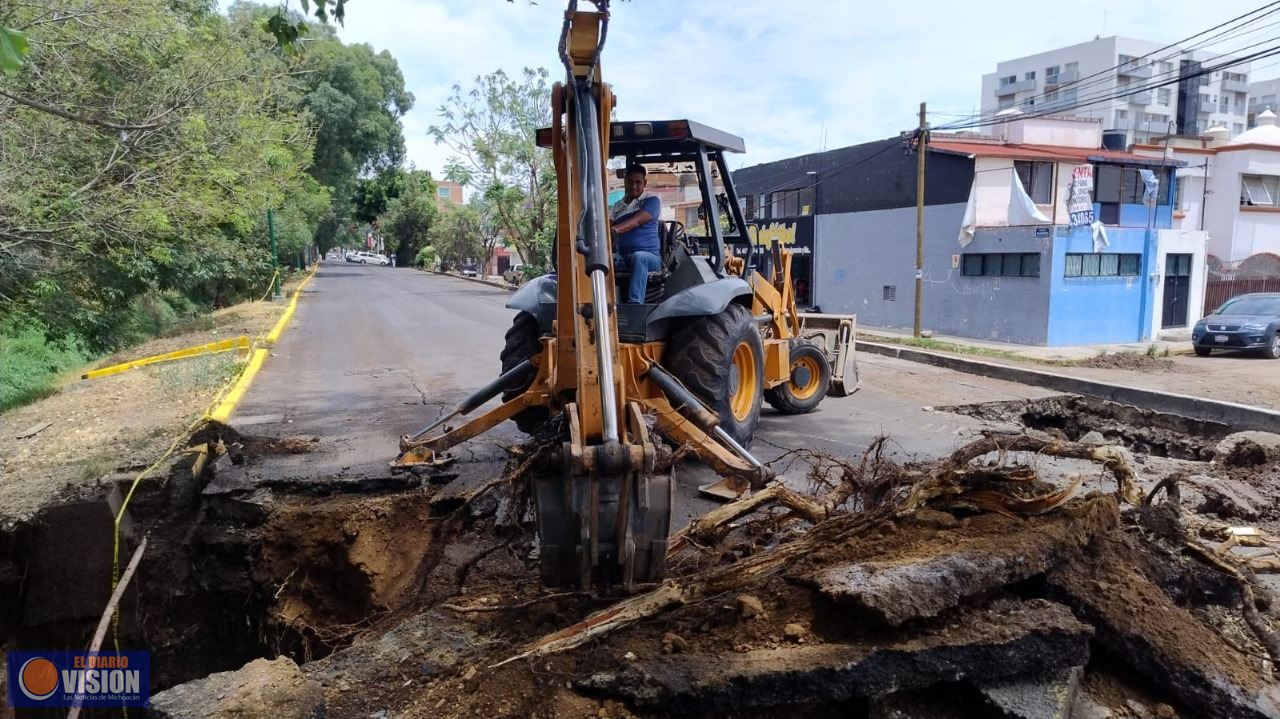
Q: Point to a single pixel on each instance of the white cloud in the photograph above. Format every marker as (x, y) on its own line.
(778, 74)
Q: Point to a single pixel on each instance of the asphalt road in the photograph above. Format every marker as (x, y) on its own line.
(376, 352)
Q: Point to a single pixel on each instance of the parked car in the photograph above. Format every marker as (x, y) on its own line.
(1246, 322)
(469, 269)
(514, 274)
(368, 258)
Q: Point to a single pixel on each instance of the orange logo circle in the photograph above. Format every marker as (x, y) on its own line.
(38, 678)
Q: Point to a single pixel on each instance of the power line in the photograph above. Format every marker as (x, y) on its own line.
(1106, 74)
(1125, 91)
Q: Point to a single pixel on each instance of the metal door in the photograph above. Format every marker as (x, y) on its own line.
(1177, 290)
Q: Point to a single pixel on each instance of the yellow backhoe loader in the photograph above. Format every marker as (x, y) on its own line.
(693, 362)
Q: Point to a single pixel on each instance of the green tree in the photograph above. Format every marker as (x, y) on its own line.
(151, 143)
(460, 234)
(492, 128)
(410, 217)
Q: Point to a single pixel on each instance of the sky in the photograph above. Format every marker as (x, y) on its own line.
(789, 78)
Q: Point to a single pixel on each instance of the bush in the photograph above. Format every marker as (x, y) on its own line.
(30, 362)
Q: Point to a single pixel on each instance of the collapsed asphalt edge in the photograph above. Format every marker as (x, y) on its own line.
(1239, 416)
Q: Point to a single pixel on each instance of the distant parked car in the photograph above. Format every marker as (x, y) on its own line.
(368, 258)
(514, 274)
(1246, 322)
(469, 269)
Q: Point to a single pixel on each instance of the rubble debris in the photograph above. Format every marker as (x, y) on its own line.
(1075, 418)
(673, 643)
(261, 689)
(1228, 498)
(794, 632)
(1005, 639)
(927, 578)
(749, 607)
(1051, 696)
(1136, 621)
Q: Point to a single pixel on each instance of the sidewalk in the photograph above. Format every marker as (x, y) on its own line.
(1033, 353)
(1109, 371)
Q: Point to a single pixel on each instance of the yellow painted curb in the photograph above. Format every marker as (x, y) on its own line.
(241, 342)
(222, 413)
(274, 335)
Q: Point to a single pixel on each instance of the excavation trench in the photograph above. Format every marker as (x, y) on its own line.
(229, 575)
(1073, 418)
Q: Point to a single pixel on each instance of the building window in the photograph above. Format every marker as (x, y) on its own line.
(1005, 101)
(1123, 185)
(1031, 75)
(889, 293)
(1260, 190)
(1008, 80)
(1163, 96)
(1000, 264)
(443, 191)
(1121, 115)
(1037, 180)
(1236, 128)
(1104, 264)
(785, 203)
(1051, 73)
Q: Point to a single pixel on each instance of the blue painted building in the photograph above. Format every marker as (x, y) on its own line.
(1002, 262)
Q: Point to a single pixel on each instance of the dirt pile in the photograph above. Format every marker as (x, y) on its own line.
(869, 596)
(875, 592)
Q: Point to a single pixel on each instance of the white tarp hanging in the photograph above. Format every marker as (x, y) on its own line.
(1022, 211)
(1100, 241)
(970, 222)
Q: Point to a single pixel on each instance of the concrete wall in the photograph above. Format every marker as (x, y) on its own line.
(1002, 309)
(1096, 310)
(858, 254)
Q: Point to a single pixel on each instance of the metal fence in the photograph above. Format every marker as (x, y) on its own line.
(1256, 273)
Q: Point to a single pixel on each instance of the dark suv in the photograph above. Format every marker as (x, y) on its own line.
(1246, 322)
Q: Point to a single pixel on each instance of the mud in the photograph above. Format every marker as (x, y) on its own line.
(1130, 361)
(1074, 418)
(403, 598)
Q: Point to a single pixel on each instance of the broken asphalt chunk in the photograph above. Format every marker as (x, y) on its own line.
(922, 580)
(1005, 639)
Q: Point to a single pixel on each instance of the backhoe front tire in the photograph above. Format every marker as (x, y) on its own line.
(807, 384)
(521, 344)
(720, 358)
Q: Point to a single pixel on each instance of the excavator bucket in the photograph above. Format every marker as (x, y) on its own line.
(835, 333)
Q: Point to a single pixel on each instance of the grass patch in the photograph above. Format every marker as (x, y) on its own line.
(31, 364)
(928, 343)
(202, 373)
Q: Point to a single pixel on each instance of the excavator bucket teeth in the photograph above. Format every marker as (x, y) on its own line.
(622, 544)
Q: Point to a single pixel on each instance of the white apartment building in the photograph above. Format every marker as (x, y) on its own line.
(1106, 66)
(1262, 97)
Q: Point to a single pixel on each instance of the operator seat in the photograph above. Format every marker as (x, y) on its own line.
(668, 233)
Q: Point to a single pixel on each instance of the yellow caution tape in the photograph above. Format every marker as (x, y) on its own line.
(241, 342)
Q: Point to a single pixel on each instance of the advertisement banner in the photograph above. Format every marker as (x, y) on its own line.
(91, 679)
(1080, 205)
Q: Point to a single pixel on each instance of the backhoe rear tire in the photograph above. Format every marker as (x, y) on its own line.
(720, 358)
(521, 344)
(807, 383)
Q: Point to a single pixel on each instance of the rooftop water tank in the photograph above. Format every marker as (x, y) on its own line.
(1114, 140)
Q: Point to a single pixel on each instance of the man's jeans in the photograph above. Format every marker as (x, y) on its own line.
(639, 264)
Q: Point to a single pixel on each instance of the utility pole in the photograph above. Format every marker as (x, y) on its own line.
(275, 253)
(921, 143)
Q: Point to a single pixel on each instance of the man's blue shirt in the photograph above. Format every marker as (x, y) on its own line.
(643, 237)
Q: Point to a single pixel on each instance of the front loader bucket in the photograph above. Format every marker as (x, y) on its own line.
(835, 333)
